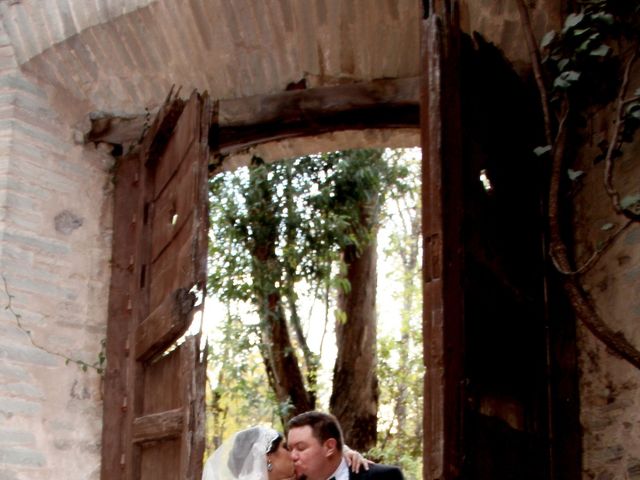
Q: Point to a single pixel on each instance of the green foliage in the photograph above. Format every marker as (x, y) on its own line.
(588, 65)
(310, 205)
(401, 400)
(583, 55)
(400, 362)
(277, 227)
(238, 395)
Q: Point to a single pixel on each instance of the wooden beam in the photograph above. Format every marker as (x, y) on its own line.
(126, 192)
(169, 320)
(299, 104)
(158, 426)
(243, 122)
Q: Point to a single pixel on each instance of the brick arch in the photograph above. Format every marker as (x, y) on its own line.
(124, 56)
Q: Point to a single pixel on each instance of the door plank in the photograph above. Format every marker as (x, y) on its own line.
(158, 426)
(173, 207)
(167, 322)
(174, 268)
(178, 147)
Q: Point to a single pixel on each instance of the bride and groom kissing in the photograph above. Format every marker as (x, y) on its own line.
(314, 450)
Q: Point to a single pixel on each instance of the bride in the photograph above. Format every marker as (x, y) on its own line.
(259, 453)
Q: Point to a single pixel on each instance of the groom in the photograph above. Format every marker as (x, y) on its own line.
(315, 442)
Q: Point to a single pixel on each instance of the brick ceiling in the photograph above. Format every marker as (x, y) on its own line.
(122, 56)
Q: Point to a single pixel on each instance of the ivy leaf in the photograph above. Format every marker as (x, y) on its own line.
(539, 151)
(584, 46)
(601, 51)
(572, 21)
(579, 31)
(606, 227)
(633, 110)
(547, 39)
(566, 79)
(603, 17)
(574, 174)
(630, 200)
(563, 63)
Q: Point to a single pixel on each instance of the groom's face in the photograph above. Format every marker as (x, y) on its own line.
(308, 454)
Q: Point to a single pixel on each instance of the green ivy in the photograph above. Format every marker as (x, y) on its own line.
(581, 58)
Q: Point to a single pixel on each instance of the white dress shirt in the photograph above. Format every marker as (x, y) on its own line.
(342, 472)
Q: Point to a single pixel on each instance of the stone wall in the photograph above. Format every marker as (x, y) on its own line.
(55, 217)
(609, 387)
(499, 22)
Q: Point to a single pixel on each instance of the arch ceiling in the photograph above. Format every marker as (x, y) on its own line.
(122, 56)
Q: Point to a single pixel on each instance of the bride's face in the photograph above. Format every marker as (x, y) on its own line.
(282, 464)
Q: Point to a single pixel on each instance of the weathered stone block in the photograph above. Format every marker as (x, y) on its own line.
(8, 475)
(12, 406)
(38, 243)
(22, 390)
(21, 456)
(16, 437)
(27, 354)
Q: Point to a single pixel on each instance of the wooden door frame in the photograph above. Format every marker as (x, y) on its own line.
(442, 204)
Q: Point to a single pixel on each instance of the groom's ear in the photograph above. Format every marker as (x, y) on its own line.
(330, 446)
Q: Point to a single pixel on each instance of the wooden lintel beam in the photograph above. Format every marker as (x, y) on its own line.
(390, 103)
(300, 104)
(242, 122)
(228, 140)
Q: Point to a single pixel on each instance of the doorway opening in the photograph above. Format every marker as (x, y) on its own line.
(296, 250)
(503, 393)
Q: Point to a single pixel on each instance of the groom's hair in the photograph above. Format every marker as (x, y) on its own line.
(323, 425)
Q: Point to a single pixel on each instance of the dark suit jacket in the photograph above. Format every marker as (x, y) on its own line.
(377, 471)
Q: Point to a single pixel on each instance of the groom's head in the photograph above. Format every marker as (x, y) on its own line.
(315, 442)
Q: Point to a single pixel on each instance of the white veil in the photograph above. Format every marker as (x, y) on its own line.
(241, 457)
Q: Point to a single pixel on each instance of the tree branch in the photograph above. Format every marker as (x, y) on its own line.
(584, 308)
(582, 305)
(597, 254)
(614, 144)
(534, 53)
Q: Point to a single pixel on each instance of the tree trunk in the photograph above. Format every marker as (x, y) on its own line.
(281, 361)
(354, 400)
(283, 370)
(409, 275)
(310, 359)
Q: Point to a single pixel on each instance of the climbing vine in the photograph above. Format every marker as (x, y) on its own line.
(100, 363)
(587, 65)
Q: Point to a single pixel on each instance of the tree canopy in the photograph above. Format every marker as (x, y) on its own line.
(283, 230)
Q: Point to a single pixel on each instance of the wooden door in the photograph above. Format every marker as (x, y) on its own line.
(495, 374)
(442, 260)
(154, 384)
